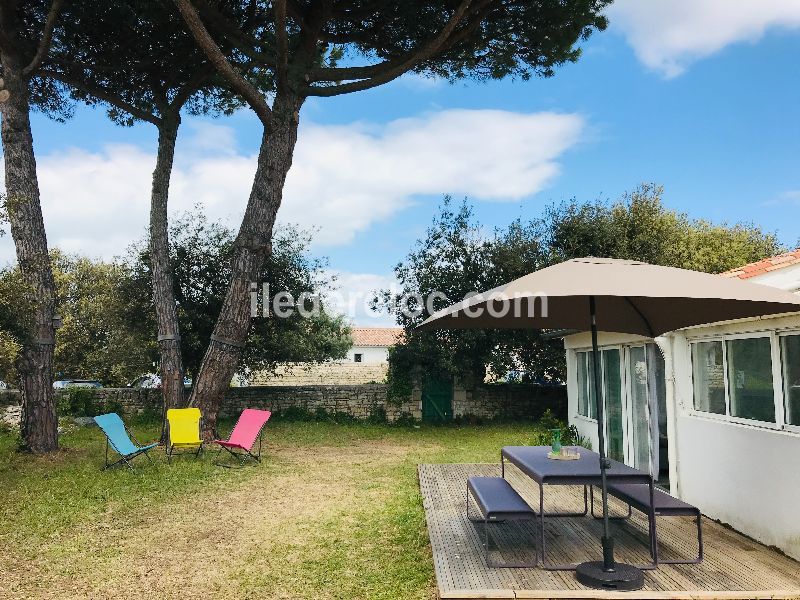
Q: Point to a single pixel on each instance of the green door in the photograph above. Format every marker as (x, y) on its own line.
(437, 400)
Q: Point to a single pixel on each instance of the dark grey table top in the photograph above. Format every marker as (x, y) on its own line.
(533, 461)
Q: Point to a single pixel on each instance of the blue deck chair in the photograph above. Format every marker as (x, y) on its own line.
(119, 438)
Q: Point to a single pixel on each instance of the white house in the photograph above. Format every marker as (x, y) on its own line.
(371, 344)
(714, 410)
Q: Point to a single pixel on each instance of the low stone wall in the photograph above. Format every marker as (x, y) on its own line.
(510, 401)
(328, 373)
(506, 401)
(358, 401)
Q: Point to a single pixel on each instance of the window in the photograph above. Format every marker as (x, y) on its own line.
(709, 377)
(357, 357)
(612, 393)
(790, 357)
(752, 395)
(587, 406)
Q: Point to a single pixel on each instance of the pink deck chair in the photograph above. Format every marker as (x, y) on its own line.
(248, 428)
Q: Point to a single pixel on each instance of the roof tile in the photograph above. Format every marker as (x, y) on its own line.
(376, 336)
(766, 265)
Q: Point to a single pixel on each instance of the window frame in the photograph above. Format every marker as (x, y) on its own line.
(780, 335)
(777, 380)
(587, 354)
(694, 410)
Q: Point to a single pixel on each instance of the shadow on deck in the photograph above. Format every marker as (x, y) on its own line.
(734, 566)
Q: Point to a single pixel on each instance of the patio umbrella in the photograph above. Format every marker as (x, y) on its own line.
(614, 296)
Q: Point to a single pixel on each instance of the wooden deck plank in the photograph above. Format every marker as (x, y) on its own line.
(734, 566)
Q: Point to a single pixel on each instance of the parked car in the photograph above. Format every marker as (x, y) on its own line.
(77, 383)
(153, 382)
(3, 385)
(149, 381)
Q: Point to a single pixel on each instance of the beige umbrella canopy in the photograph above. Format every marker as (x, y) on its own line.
(630, 297)
(616, 296)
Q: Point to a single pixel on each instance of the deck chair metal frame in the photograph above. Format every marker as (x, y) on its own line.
(170, 447)
(124, 458)
(243, 453)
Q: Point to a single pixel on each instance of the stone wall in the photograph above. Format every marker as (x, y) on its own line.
(506, 401)
(359, 401)
(328, 373)
(510, 401)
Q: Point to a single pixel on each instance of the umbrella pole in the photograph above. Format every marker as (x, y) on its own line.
(607, 574)
(607, 540)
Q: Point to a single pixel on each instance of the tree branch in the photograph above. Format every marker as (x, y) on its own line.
(476, 15)
(281, 46)
(47, 38)
(251, 95)
(101, 94)
(392, 69)
(238, 38)
(190, 87)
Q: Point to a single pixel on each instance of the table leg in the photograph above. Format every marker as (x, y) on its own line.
(653, 535)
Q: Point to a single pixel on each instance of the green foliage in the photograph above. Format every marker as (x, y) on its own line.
(457, 257)
(101, 337)
(571, 437)
(84, 402)
(157, 78)
(200, 256)
(640, 227)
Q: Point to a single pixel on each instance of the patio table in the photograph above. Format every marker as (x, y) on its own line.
(585, 471)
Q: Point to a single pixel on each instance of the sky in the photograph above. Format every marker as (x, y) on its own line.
(699, 96)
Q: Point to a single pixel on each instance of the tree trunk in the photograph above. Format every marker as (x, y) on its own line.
(169, 339)
(39, 426)
(251, 248)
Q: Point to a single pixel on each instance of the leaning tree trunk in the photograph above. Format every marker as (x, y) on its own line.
(251, 248)
(39, 426)
(169, 339)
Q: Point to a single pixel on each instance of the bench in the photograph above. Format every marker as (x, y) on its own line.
(497, 502)
(637, 496)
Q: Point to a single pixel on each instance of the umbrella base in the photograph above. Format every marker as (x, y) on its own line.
(623, 577)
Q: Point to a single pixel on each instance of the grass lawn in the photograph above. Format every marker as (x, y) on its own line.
(334, 511)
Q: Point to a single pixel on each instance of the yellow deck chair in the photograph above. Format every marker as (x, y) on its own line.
(184, 431)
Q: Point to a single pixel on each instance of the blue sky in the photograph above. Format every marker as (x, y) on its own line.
(675, 92)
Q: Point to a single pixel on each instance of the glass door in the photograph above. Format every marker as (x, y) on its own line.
(615, 415)
(638, 410)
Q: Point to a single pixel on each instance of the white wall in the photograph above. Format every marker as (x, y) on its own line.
(787, 278)
(745, 475)
(369, 354)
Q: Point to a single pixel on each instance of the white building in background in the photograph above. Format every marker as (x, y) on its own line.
(714, 410)
(371, 344)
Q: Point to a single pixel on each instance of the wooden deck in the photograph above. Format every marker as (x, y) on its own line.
(734, 566)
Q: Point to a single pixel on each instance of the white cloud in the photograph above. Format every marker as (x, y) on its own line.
(352, 296)
(668, 35)
(344, 178)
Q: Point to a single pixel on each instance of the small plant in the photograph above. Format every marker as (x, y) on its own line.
(572, 437)
(405, 420)
(377, 416)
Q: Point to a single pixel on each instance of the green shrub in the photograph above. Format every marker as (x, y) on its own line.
(293, 413)
(405, 420)
(377, 416)
(84, 402)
